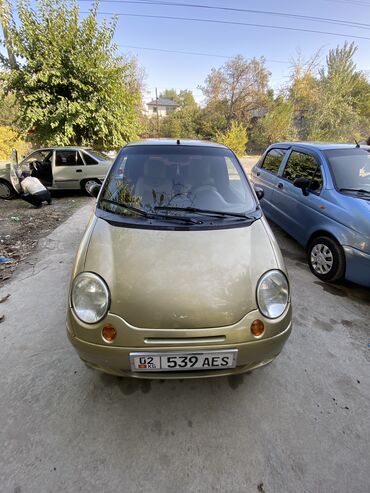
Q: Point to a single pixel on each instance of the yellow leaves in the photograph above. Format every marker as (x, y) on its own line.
(9, 139)
(236, 138)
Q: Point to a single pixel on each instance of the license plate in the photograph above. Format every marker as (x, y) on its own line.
(206, 360)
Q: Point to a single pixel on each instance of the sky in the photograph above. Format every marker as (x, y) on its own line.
(142, 36)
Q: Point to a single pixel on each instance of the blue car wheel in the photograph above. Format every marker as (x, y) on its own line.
(326, 259)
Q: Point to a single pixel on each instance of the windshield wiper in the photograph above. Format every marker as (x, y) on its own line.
(126, 206)
(360, 190)
(203, 211)
(150, 215)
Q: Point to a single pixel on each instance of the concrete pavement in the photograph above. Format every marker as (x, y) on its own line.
(299, 425)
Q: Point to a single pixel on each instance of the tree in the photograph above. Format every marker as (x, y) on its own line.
(181, 123)
(71, 86)
(9, 109)
(277, 125)
(241, 86)
(335, 116)
(9, 138)
(236, 138)
(303, 91)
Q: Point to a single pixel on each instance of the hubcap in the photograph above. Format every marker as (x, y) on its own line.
(4, 191)
(321, 258)
(88, 184)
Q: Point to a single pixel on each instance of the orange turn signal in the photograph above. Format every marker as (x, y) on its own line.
(109, 333)
(257, 328)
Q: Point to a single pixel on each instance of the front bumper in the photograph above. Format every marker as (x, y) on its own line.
(116, 361)
(357, 266)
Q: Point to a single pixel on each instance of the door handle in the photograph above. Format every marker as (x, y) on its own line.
(258, 173)
(78, 170)
(280, 185)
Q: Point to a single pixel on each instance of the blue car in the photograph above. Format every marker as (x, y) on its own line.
(320, 195)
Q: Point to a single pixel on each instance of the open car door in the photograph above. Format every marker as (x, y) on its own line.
(14, 173)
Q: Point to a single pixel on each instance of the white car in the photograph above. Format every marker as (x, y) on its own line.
(59, 168)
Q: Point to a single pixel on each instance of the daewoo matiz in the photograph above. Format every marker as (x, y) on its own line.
(178, 272)
(319, 193)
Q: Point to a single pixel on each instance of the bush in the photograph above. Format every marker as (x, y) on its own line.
(9, 138)
(236, 138)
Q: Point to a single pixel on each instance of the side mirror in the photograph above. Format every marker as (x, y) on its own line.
(259, 192)
(302, 183)
(94, 189)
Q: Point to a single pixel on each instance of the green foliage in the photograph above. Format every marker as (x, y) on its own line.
(277, 125)
(70, 84)
(182, 123)
(321, 102)
(335, 116)
(236, 138)
(212, 119)
(9, 110)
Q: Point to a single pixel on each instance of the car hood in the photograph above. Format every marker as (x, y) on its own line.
(356, 212)
(181, 279)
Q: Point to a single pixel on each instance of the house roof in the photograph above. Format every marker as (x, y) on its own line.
(163, 102)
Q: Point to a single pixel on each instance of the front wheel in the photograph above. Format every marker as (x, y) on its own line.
(326, 259)
(86, 184)
(6, 190)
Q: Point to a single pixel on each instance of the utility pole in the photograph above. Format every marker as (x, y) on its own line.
(156, 100)
(5, 15)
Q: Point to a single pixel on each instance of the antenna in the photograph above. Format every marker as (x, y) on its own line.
(178, 142)
(357, 144)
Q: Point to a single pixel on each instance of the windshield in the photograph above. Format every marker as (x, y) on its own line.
(350, 168)
(167, 179)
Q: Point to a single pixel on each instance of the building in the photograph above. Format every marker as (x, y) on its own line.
(161, 107)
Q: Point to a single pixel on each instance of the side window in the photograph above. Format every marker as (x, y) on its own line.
(38, 156)
(273, 160)
(79, 159)
(306, 166)
(89, 159)
(67, 158)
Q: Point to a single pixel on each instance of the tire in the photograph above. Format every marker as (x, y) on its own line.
(86, 184)
(7, 191)
(326, 259)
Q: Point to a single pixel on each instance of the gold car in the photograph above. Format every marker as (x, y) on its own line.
(178, 273)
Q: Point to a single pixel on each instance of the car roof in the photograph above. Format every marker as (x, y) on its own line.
(175, 142)
(322, 146)
(62, 148)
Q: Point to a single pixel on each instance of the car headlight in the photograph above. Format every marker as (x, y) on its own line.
(90, 297)
(272, 293)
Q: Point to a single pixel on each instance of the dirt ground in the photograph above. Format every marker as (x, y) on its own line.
(22, 227)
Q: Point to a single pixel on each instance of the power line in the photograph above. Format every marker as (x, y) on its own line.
(326, 20)
(191, 53)
(234, 23)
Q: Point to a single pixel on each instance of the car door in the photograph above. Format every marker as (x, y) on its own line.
(264, 175)
(296, 212)
(68, 169)
(39, 163)
(97, 165)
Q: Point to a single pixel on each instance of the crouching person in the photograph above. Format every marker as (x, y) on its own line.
(34, 191)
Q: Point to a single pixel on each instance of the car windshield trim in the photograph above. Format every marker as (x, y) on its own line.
(203, 211)
(151, 215)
